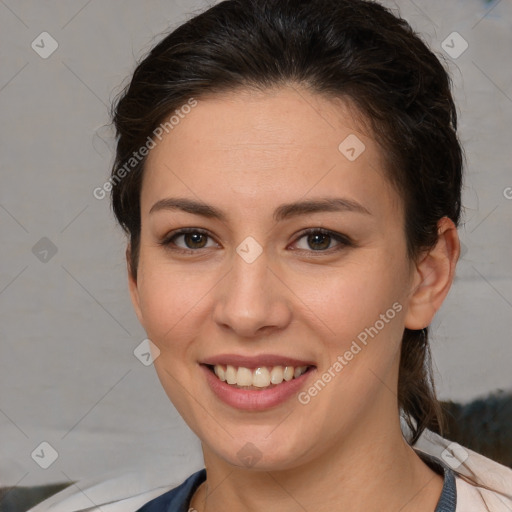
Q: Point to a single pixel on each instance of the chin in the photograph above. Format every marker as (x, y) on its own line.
(261, 452)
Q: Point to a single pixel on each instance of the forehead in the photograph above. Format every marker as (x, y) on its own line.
(275, 143)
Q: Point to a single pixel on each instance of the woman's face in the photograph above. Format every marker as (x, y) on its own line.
(250, 289)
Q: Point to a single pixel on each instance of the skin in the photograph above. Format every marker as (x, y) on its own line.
(246, 153)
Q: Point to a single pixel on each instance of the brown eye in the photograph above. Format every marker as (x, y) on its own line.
(194, 240)
(187, 240)
(320, 240)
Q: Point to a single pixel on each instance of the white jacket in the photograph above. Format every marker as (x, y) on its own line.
(128, 492)
(483, 485)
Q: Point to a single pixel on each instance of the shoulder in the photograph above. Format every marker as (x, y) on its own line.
(482, 484)
(128, 492)
(478, 499)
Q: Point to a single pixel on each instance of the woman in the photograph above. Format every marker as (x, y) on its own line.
(289, 176)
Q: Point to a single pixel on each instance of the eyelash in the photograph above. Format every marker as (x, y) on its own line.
(343, 240)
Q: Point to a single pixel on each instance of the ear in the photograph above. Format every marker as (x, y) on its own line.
(433, 277)
(132, 285)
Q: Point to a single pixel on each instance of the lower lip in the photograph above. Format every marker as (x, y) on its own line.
(251, 399)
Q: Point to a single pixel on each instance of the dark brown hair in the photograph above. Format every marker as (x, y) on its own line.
(355, 50)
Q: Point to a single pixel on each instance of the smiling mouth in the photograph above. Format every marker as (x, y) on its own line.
(263, 377)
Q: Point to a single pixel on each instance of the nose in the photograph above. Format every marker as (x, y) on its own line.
(252, 300)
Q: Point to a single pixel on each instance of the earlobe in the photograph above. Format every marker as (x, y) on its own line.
(433, 278)
(133, 286)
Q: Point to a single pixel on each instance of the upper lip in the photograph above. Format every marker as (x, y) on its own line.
(256, 361)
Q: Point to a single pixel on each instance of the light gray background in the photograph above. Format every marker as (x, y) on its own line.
(68, 375)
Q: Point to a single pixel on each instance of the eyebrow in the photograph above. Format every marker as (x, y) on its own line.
(282, 212)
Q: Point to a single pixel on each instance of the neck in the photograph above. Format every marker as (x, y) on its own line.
(372, 469)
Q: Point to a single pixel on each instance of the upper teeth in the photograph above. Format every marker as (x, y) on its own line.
(260, 377)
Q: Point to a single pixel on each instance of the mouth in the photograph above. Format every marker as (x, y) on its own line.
(256, 383)
(259, 378)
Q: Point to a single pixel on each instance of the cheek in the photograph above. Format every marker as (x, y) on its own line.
(358, 316)
(352, 296)
(170, 301)
(360, 301)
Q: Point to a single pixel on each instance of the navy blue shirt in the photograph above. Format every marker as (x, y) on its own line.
(178, 499)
